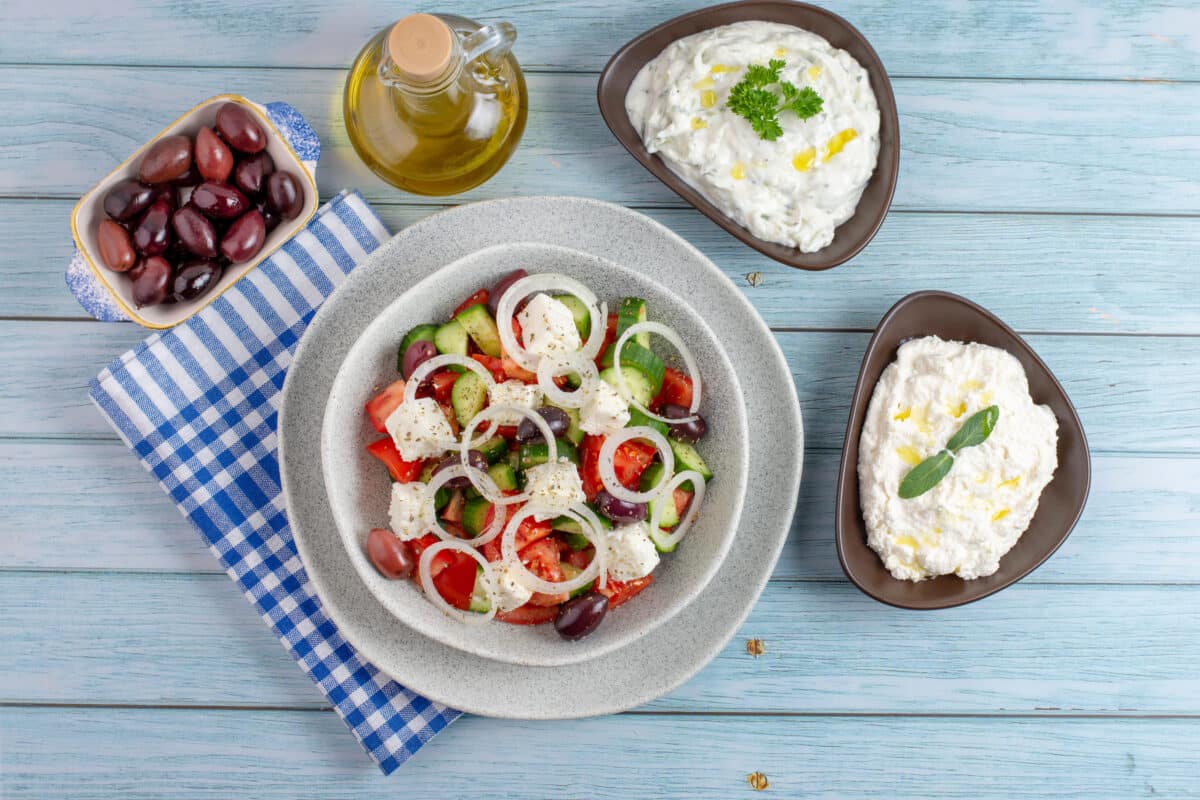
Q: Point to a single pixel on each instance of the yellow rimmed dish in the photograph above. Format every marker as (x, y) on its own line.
(89, 212)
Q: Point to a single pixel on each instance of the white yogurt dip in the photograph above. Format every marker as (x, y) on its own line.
(969, 520)
(795, 190)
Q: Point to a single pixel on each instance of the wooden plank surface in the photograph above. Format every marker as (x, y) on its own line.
(1119, 39)
(973, 145)
(1084, 267)
(151, 639)
(126, 753)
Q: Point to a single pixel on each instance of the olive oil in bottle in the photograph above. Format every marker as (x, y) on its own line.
(436, 104)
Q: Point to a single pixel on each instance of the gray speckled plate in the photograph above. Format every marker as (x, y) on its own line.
(359, 490)
(674, 651)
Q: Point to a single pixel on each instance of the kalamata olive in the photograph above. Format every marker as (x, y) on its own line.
(167, 159)
(194, 278)
(619, 510)
(245, 237)
(213, 158)
(556, 418)
(166, 192)
(189, 178)
(240, 129)
(393, 558)
(126, 199)
(153, 233)
(417, 354)
(116, 248)
(250, 174)
(580, 616)
(219, 200)
(151, 281)
(284, 194)
(685, 431)
(500, 287)
(195, 231)
(475, 458)
(270, 216)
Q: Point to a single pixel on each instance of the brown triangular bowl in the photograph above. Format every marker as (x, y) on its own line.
(952, 317)
(853, 234)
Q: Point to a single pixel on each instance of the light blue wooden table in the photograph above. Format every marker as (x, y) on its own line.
(1050, 171)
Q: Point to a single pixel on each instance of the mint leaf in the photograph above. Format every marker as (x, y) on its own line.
(924, 476)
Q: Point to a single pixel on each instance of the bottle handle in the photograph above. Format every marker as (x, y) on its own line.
(491, 42)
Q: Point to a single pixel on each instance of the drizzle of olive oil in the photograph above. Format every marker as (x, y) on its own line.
(908, 455)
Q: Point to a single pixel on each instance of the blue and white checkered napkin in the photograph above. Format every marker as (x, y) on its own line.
(198, 404)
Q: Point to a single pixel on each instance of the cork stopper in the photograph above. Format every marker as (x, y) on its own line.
(421, 45)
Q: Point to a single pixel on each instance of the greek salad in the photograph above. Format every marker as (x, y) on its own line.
(542, 453)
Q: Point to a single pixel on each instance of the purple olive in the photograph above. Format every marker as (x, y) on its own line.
(240, 129)
(250, 174)
(580, 616)
(475, 458)
(195, 231)
(685, 431)
(167, 159)
(245, 237)
(189, 178)
(393, 558)
(151, 281)
(284, 194)
(619, 510)
(501, 286)
(219, 200)
(556, 418)
(126, 199)
(270, 216)
(195, 278)
(417, 354)
(152, 235)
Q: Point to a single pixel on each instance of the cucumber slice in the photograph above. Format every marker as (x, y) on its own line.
(572, 531)
(468, 397)
(634, 355)
(570, 571)
(687, 458)
(574, 433)
(494, 449)
(633, 311)
(583, 318)
(670, 516)
(635, 381)
(536, 453)
(441, 496)
(479, 599)
(637, 420)
(504, 476)
(451, 339)
(482, 328)
(475, 514)
(421, 333)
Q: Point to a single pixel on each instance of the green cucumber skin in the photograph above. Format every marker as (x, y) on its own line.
(637, 420)
(579, 311)
(535, 453)
(504, 476)
(474, 515)
(635, 380)
(479, 602)
(482, 328)
(451, 339)
(687, 457)
(494, 449)
(633, 311)
(468, 397)
(640, 358)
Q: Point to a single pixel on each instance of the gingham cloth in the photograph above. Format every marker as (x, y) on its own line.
(199, 403)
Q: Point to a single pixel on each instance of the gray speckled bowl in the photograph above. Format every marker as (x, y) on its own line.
(359, 489)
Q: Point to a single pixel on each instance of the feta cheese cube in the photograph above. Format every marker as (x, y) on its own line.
(554, 487)
(407, 510)
(514, 393)
(631, 554)
(420, 429)
(604, 412)
(548, 326)
(510, 593)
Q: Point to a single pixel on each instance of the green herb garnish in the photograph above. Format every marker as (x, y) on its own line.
(760, 106)
(924, 476)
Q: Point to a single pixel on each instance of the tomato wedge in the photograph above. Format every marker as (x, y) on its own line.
(528, 615)
(676, 390)
(443, 382)
(619, 592)
(418, 545)
(530, 531)
(456, 581)
(401, 471)
(629, 462)
(381, 406)
(479, 298)
(610, 336)
(589, 454)
(682, 498)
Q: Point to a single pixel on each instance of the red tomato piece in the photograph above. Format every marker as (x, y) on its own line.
(610, 336)
(630, 461)
(530, 531)
(401, 471)
(579, 559)
(676, 390)
(479, 298)
(454, 508)
(381, 406)
(619, 592)
(493, 365)
(541, 558)
(682, 499)
(456, 581)
(528, 615)
(451, 418)
(418, 545)
(589, 454)
(443, 381)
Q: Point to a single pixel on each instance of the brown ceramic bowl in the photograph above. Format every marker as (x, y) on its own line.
(952, 317)
(853, 234)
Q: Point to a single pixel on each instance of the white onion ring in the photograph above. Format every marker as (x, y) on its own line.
(547, 282)
(608, 452)
(469, 617)
(667, 541)
(551, 367)
(512, 559)
(688, 361)
(429, 504)
(437, 362)
(489, 489)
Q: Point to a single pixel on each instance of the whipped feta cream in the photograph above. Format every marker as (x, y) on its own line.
(794, 190)
(974, 515)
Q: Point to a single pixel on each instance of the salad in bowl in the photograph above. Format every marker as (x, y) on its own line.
(544, 451)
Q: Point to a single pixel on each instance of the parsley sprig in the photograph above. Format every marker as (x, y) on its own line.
(760, 106)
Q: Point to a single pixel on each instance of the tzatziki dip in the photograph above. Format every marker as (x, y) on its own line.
(794, 188)
(971, 517)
